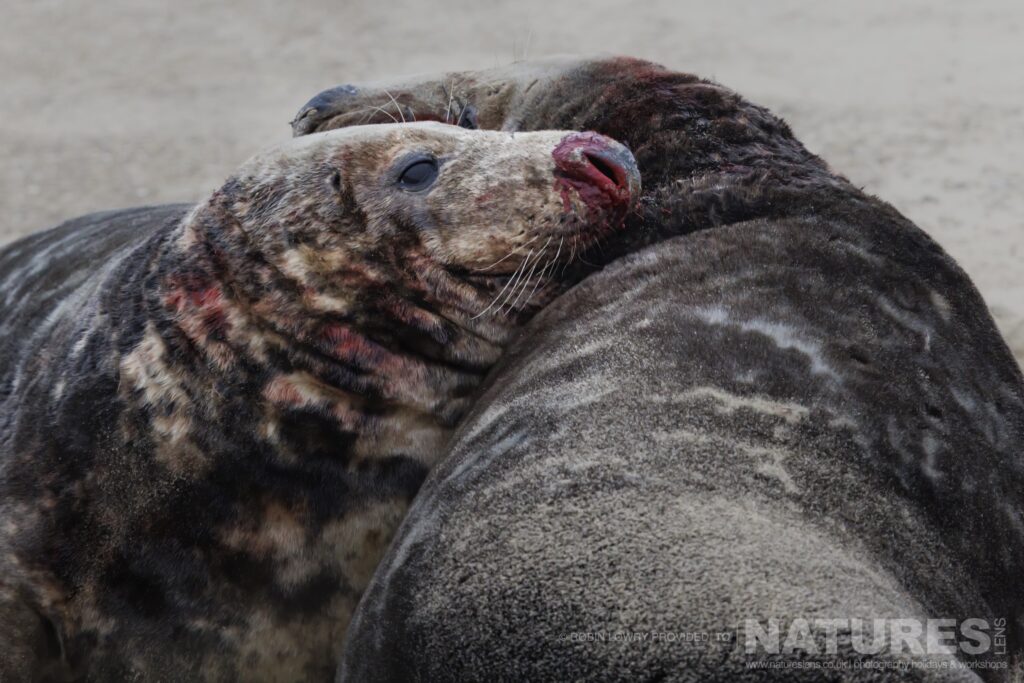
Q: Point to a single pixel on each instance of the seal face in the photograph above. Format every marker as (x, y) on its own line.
(823, 303)
(209, 433)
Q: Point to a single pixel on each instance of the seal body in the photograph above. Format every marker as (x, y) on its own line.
(799, 407)
(672, 466)
(211, 427)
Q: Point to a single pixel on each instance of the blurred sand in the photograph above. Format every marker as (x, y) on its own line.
(126, 102)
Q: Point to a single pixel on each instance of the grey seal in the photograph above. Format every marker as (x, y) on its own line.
(798, 407)
(213, 418)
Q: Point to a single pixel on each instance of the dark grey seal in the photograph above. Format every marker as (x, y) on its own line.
(798, 410)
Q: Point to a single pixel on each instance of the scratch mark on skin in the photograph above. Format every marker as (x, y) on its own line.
(909, 321)
(783, 335)
(728, 402)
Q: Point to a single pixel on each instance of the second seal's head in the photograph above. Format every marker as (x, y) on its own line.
(409, 208)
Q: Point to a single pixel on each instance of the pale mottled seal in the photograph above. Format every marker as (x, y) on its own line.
(804, 412)
(210, 428)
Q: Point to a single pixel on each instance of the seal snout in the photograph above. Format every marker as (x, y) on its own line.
(602, 171)
(320, 107)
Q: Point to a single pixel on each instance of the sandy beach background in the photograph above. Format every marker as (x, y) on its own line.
(127, 102)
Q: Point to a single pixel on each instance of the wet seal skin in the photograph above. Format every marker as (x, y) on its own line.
(210, 426)
(798, 406)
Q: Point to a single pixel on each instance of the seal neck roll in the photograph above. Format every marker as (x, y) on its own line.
(404, 342)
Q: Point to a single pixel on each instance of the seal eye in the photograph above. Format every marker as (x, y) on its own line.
(418, 175)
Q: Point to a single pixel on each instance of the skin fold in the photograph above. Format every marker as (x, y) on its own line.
(213, 418)
(787, 402)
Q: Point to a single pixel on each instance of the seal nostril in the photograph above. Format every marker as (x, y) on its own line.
(599, 171)
(606, 169)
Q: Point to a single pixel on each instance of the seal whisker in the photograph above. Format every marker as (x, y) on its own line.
(544, 272)
(572, 255)
(397, 106)
(382, 110)
(547, 270)
(520, 278)
(451, 97)
(526, 280)
(369, 111)
(462, 112)
(515, 285)
(508, 255)
(512, 295)
(510, 280)
(541, 274)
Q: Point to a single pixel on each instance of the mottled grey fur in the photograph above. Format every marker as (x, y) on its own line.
(772, 419)
(213, 420)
